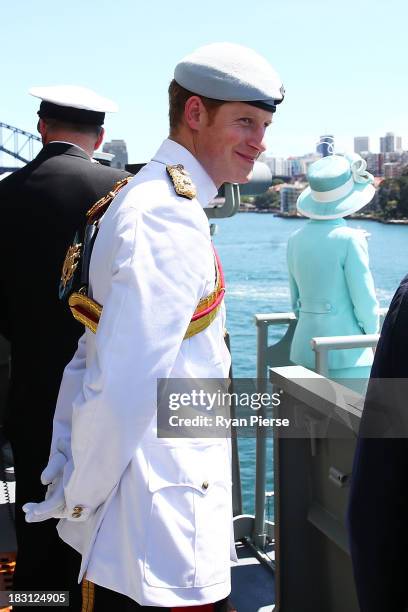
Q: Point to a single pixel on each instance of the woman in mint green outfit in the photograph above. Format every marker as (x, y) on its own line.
(332, 289)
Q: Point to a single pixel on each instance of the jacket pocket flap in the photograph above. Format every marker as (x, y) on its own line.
(198, 467)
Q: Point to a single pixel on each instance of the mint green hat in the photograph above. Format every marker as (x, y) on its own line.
(339, 185)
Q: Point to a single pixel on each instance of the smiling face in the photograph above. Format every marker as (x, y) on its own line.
(228, 141)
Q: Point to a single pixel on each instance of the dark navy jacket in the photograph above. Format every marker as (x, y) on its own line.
(378, 511)
(41, 207)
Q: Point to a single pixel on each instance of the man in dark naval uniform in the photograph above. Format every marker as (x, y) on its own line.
(41, 207)
(378, 512)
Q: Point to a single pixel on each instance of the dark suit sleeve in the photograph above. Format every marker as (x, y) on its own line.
(4, 325)
(4, 316)
(378, 510)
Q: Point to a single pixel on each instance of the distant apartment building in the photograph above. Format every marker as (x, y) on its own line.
(390, 143)
(310, 158)
(288, 197)
(270, 162)
(375, 162)
(404, 158)
(119, 150)
(398, 143)
(392, 157)
(278, 166)
(297, 166)
(326, 145)
(293, 166)
(388, 165)
(361, 144)
(392, 169)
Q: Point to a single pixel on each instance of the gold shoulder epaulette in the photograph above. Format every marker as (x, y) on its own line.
(182, 183)
(99, 208)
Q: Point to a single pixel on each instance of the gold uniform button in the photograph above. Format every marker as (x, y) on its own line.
(205, 485)
(78, 509)
(76, 514)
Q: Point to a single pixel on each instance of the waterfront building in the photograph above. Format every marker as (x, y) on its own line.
(392, 169)
(310, 158)
(398, 143)
(395, 156)
(390, 143)
(278, 166)
(297, 166)
(326, 145)
(361, 144)
(293, 166)
(119, 150)
(404, 158)
(271, 163)
(288, 197)
(375, 162)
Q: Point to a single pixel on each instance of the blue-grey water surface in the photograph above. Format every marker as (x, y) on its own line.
(252, 248)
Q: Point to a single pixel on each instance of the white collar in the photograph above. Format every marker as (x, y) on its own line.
(171, 153)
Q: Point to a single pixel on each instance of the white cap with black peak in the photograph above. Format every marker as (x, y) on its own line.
(73, 103)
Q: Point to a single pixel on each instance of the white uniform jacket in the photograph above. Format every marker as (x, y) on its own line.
(138, 513)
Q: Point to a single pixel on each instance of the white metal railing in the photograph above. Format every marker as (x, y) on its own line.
(278, 355)
(323, 344)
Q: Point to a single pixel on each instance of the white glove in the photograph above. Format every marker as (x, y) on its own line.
(54, 504)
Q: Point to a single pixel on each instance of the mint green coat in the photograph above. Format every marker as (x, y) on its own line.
(332, 290)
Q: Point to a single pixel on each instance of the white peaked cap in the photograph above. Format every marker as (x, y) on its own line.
(74, 96)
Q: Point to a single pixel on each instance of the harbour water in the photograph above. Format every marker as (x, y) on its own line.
(252, 248)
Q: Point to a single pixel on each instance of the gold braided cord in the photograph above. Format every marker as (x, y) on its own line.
(195, 327)
(88, 595)
(88, 312)
(85, 310)
(99, 207)
(209, 299)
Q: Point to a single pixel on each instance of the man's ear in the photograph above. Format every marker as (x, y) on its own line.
(195, 113)
(42, 129)
(99, 140)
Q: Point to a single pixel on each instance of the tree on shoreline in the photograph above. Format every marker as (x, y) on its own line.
(269, 200)
(393, 197)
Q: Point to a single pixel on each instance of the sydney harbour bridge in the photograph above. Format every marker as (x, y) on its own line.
(16, 145)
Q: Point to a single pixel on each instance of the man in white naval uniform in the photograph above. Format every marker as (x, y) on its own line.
(152, 516)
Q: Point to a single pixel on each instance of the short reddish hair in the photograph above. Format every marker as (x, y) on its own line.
(178, 97)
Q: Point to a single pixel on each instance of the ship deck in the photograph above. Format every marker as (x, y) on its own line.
(253, 584)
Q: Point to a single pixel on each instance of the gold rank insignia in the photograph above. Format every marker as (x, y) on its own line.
(70, 263)
(182, 183)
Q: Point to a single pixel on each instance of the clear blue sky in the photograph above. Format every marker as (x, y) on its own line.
(343, 63)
